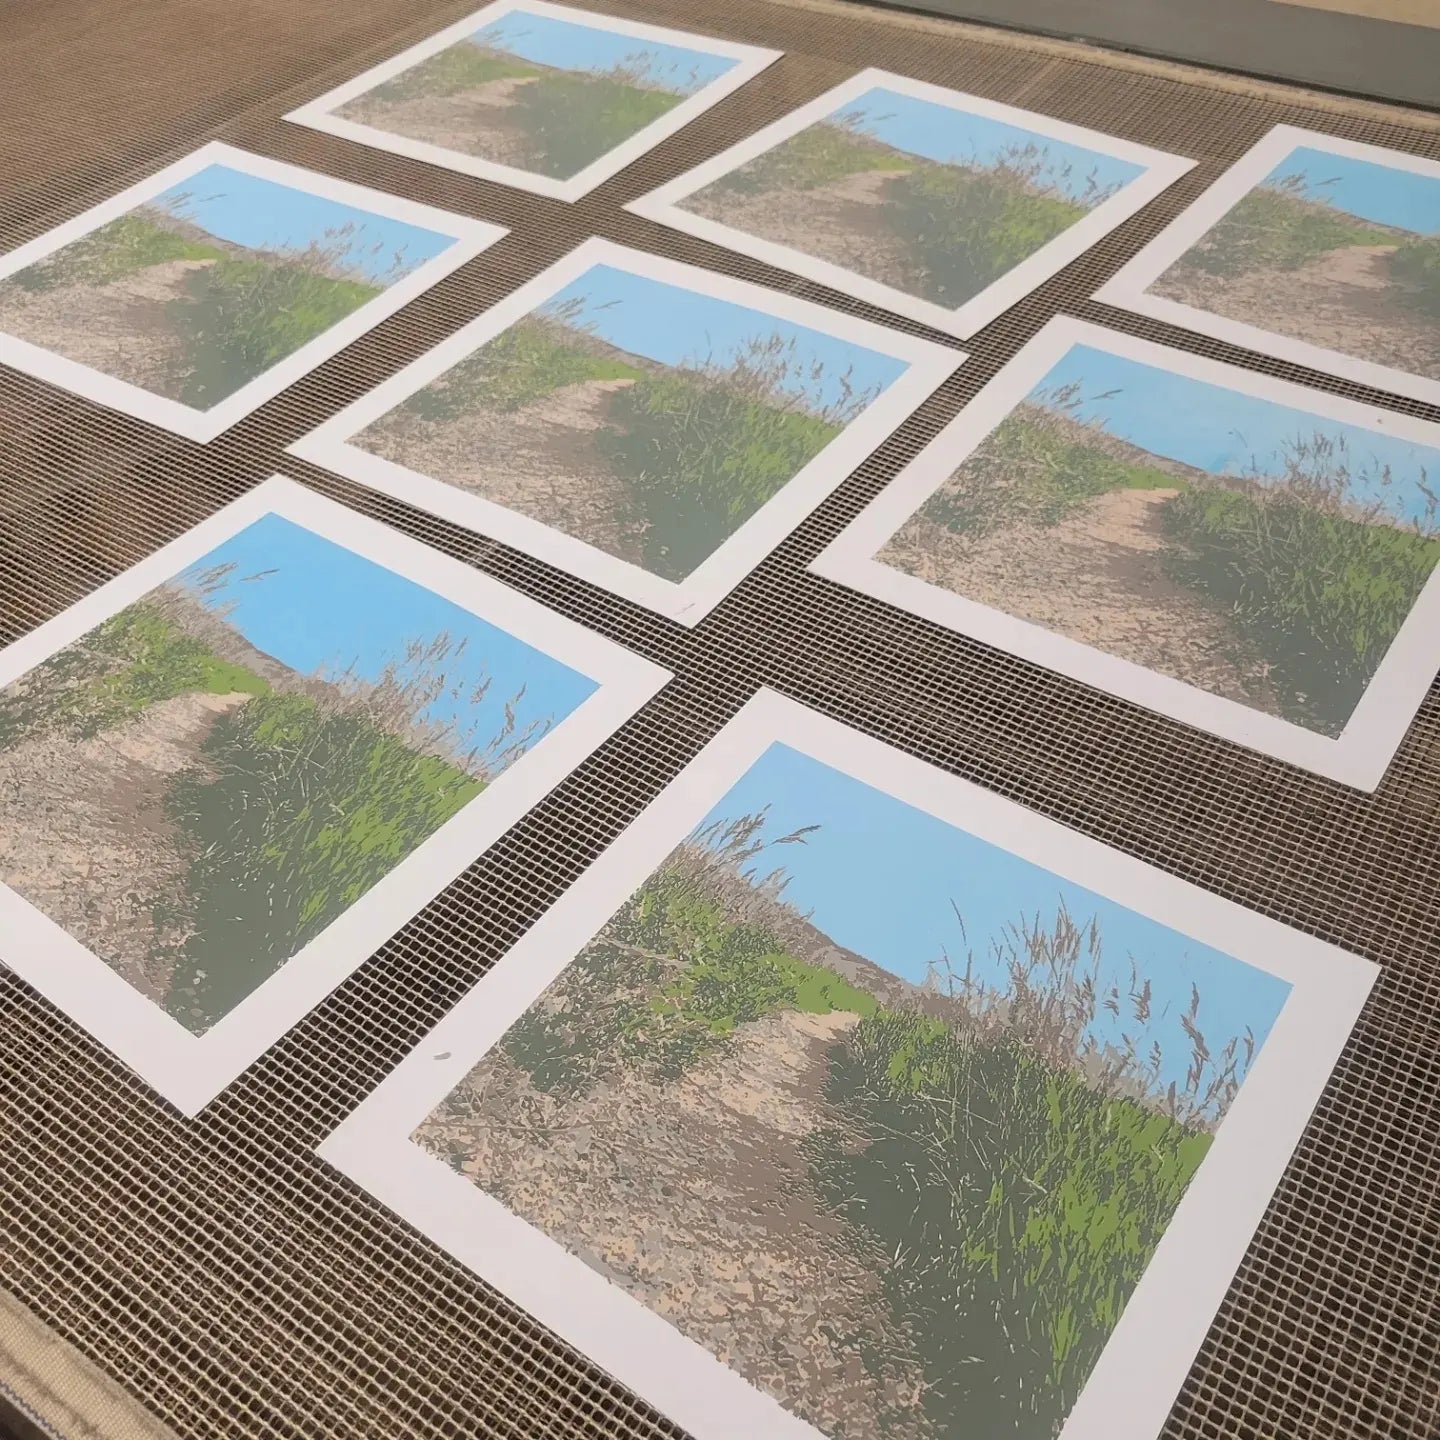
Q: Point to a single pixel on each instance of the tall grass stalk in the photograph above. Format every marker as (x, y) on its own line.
(1315, 568)
(702, 447)
(570, 118)
(1280, 225)
(968, 226)
(1040, 465)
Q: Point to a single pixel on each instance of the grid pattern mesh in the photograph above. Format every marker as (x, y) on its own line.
(232, 1281)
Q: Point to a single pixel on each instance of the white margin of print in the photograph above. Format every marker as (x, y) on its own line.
(1131, 1390)
(1361, 754)
(318, 114)
(1128, 288)
(1161, 170)
(190, 1070)
(690, 600)
(470, 238)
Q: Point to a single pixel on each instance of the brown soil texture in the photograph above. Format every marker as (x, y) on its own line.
(1098, 577)
(1343, 300)
(120, 328)
(843, 222)
(692, 1196)
(539, 460)
(85, 839)
(474, 122)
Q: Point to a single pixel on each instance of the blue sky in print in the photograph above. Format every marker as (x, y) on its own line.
(574, 45)
(677, 326)
(959, 137)
(1229, 432)
(886, 880)
(315, 605)
(264, 215)
(1382, 193)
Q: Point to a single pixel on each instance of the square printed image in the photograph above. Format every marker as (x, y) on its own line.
(655, 427)
(939, 205)
(1318, 250)
(1268, 548)
(199, 293)
(841, 1098)
(544, 96)
(203, 782)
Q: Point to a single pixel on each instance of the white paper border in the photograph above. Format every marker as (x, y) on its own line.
(1161, 171)
(1128, 288)
(470, 236)
(1363, 751)
(1131, 1390)
(690, 600)
(318, 114)
(190, 1070)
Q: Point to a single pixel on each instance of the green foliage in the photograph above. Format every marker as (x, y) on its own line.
(1010, 1210)
(572, 119)
(136, 659)
(819, 155)
(241, 316)
(1276, 227)
(665, 985)
(697, 448)
(236, 315)
(523, 364)
(1038, 467)
(465, 66)
(1318, 592)
(298, 809)
(699, 457)
(967, 227)
(1415, 267)
(123, 247)
(1004, 1176)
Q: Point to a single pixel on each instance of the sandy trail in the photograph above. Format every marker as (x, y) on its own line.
(1343, 300)
(694, 1198)
(84, 836)
(1099, 578)
(120, 328)
(843, 223)
(474, 121)
(540, 460)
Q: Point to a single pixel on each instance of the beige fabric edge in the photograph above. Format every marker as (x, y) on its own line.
(1279, 91)
(64, 1392)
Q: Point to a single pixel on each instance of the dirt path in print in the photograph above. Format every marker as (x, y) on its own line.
(120, 328)
(1099, 578)
(474, 122)
(85, 839)
(843, 223)
(540, 460)
(1343, 300)
(670, 1191)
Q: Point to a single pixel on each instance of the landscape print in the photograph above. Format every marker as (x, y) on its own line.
(1260, 552)
(646, 419)
(936, 202)
(196, 788)
(537, 93)
(199, 290)
(891, 1129)
(1330, 250)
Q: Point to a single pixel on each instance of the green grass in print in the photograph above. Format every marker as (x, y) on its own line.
(536, 93)
(936, 202)
(203, 783)
(648, 420)
(895, 1130)
(201, 290)
(1239, 545)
